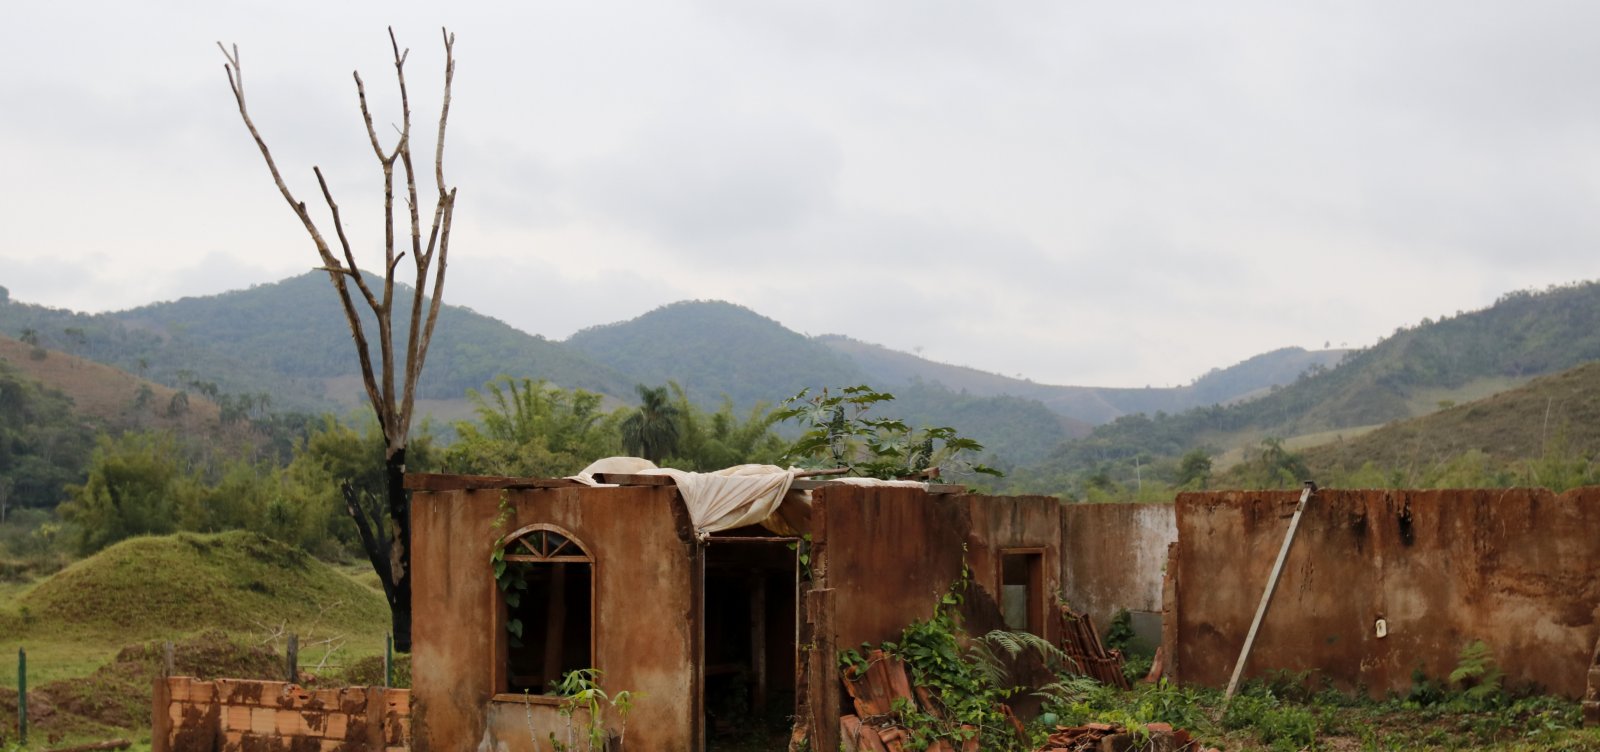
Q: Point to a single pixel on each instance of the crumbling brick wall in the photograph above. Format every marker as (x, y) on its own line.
(235, 715)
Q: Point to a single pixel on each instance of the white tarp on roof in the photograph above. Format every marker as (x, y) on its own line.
(722, 500)
(732, 497)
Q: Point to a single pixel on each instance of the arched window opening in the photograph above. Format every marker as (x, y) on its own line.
(549, 597)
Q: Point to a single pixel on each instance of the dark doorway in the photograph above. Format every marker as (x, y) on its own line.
(749, 653)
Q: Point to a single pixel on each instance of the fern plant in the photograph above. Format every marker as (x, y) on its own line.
(1478, 677)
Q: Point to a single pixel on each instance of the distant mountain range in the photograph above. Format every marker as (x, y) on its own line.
(1417, 371)
(288, 340)
(1089, 405)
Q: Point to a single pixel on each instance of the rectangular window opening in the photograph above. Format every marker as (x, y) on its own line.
(553, 609)
(1022, 591)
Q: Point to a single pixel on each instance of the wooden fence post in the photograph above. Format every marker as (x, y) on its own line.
(294, 658)
(22, 696)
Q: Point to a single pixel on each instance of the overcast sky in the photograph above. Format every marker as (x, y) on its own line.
(1107, 193)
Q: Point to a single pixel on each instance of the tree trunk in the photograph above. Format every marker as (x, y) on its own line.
(399, 594)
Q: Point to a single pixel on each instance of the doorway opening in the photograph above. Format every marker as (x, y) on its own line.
(748, 656)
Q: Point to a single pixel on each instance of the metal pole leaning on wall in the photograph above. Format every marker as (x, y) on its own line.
(1266, 595)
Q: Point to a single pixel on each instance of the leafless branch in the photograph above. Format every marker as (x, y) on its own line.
(236, 82)
(393, 403)
(344, 242)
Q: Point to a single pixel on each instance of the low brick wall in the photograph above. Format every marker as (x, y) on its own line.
(236, 715)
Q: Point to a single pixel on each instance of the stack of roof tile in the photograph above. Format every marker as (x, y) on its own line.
(1081, 643)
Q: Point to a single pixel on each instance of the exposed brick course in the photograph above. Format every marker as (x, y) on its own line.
(234, 715)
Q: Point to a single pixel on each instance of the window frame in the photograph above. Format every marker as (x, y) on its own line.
(1037, 597)
(502, 646)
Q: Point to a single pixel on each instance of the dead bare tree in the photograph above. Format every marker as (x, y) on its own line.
(385, 528)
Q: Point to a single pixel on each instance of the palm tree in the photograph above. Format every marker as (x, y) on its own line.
(652, 431)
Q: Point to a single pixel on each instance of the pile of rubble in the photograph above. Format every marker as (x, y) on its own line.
(1106, 737)
(881, 693)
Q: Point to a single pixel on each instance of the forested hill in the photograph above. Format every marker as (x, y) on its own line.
(289, 340)
(1411, 373)
(716, 348)
(1088, 405)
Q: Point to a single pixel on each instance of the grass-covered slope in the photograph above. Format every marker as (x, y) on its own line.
(106, 394)
(180, 584)
(1556, 413)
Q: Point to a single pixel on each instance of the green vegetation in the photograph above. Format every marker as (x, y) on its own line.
(712, 441)
(532, 429)
(100, 460)
(840, 434)
(580, 690)
(1286, 712)
(967, 678)
(146, 483)
(43, 447)
(651, 431)
(165, 586)
(1545, 433)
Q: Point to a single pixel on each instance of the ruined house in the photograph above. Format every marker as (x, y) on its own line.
(704, 626)
(618, 578)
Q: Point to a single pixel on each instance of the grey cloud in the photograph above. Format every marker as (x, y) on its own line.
(715, 180)
(1109, 191)
(537, 297)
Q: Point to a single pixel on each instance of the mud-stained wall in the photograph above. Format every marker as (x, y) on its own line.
(888, 554)
(1515, 568)
(644, 613)
(232, 715)
(883, 558)
(1012, 523)
(1114, 556)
